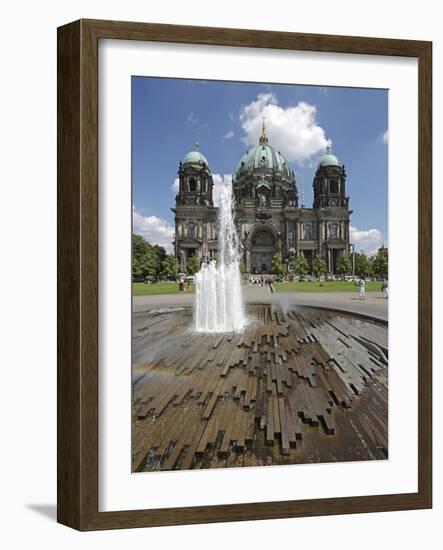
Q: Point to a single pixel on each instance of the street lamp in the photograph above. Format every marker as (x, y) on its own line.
(353, 259)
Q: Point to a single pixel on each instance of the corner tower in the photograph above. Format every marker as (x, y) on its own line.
(194, 212)
(331, 208)
(330, 182)
(195, 180)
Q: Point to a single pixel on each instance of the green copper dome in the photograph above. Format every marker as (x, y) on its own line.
(328, 159)
(195, 157)
(263, 157)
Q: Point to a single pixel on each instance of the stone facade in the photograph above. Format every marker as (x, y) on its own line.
(268, 216)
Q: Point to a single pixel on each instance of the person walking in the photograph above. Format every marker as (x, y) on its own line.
(361, 286)
(385, 289)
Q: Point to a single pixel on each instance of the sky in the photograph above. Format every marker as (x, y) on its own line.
(170, 115)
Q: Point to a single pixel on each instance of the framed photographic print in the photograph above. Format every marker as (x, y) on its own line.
(244, 274)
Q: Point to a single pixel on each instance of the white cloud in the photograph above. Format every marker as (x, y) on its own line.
(175, 186)
(292, 130)
(229, 135)
(155, 230)
(193, 119)
(385, 136)
(232, 117)
(369, 240)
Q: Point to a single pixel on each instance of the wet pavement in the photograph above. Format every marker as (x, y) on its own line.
(374, 304)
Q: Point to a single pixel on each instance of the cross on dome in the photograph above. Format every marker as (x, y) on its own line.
(264, 136)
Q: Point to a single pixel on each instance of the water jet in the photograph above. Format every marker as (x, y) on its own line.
(219, 305)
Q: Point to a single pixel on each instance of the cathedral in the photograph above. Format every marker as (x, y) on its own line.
(268, 216)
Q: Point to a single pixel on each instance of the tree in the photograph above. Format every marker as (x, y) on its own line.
(146, 258)
(144, 262)
(381, 263)
(159, 254)
(148, 265)
(278, 267)
(319, 266)
(301, 265)
(344, 264)
(363, 265)
(193, 265)
(170, 267)
(139, 246)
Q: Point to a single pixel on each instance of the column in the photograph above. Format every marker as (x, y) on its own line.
(248, 261)
(297, 235)
(347, 236)
(286, 237)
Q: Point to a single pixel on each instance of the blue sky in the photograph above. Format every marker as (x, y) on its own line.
(170, 115)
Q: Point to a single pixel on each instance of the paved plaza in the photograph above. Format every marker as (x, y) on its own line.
(375, 305)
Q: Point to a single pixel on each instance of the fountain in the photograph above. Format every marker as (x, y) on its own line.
(219, 303)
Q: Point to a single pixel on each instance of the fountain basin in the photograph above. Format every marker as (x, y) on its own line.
(296, 386)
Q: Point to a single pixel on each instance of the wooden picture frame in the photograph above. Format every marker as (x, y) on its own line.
(78, 274)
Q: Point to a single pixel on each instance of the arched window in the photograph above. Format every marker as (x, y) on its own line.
(333, 230)
(192, 185)
(333, 186)
(191, 229)
(263, 238)
(307, 231)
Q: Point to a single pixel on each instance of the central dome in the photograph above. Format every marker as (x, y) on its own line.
(263, 157)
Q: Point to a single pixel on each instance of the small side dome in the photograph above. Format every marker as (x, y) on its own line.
(328, 159)
(195, 157)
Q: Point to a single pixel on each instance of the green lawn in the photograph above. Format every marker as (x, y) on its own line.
(140, 289)
(330, 286)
